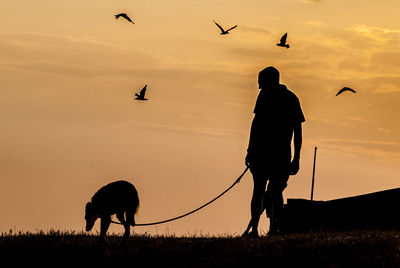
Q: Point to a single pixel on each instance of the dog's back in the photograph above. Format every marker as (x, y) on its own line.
(116, 196)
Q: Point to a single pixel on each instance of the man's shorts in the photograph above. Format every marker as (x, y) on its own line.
(275, 182)
(274, 170)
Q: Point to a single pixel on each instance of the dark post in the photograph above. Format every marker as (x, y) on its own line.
(313, 174)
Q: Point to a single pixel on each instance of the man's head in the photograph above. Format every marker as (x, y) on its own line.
(269, 77)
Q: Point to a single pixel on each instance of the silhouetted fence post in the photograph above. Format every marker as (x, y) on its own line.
(313, 174)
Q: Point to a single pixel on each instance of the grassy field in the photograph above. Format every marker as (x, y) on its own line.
(318, 249)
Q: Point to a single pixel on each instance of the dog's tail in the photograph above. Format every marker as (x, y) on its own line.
(137, 207)
(136, 204)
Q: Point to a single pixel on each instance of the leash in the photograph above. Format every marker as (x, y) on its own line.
(193, 211)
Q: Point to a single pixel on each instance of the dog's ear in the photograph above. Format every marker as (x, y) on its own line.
(89, 207)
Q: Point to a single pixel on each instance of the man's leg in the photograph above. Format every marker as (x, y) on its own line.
(257, 201)
(275, 192)
(276, 209)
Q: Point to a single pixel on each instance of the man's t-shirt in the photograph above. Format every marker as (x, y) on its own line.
(277, 111)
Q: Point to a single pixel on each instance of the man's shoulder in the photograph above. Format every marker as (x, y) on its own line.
(295, 104)
(288, 93)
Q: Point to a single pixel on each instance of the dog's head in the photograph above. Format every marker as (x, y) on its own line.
(90, 216)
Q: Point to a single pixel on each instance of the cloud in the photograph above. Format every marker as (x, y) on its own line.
(377, 34)
(74, 56)
(362, 120)
(317, 68)
(315, 23)
(202, 132)
(382, 84)
(311, 1)
(87, 58)
(372, 30)
(383, 130)
(385, 151)
(54, 68)
(386, 61)
(368, 122)
(254, 29)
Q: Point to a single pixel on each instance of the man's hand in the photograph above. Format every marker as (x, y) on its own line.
(297, 140)
(294, 166)
(248, 160)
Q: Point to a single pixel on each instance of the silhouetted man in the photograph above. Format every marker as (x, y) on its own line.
(278, 117)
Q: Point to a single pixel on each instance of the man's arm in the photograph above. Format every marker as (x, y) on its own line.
(252, 143)
(297, 140)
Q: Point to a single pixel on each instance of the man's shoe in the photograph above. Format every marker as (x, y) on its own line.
(253, 234)
(273, 232)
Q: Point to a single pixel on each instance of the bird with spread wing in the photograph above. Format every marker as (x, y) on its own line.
(124, 16)
(140, 96)
(282, 42)
(345, 89)
(223, 32)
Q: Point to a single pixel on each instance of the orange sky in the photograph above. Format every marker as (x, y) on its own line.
(69, 124)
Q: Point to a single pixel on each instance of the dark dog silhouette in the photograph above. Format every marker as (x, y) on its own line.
(119, 197)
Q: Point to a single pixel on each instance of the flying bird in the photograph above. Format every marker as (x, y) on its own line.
(124, 16)
(345, 89)
(140, 96)
(222, 29)
(282, 43)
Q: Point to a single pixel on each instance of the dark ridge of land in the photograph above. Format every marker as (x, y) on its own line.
(363, 248)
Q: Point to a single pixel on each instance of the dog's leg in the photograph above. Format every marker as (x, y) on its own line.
(130, 217)
(125, 223)
(104, 224)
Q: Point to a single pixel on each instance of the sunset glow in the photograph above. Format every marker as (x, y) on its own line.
(70, 124)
